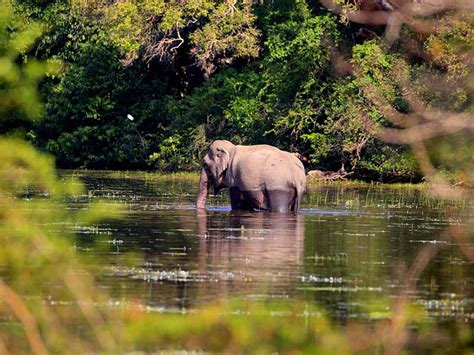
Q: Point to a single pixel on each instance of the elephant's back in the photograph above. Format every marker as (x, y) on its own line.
(265, 167)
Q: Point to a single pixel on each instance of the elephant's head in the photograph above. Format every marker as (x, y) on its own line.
(214, 167)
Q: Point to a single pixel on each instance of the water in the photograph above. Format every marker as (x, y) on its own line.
(351, 250)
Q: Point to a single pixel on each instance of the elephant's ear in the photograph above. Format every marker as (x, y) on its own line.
(222, 161)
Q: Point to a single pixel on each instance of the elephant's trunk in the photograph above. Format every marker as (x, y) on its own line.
(202, 191)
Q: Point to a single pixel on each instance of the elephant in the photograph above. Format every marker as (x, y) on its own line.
(259, 177)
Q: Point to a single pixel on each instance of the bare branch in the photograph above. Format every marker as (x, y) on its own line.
(397, 328)
(180, 39)
(460, 236)
(363, 17)
(425, 131)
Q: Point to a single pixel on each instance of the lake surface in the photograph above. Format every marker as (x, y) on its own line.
(350, 251)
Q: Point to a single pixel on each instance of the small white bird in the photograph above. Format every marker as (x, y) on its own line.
(130, 117)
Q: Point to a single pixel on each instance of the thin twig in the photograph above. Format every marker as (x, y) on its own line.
(11, 298)
(398, 325)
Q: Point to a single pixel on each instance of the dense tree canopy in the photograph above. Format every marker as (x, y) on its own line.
(147, 84)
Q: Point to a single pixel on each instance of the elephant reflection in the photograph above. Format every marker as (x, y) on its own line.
(246, 252)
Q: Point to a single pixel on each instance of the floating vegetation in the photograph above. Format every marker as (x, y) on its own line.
(429, 241)
(341, 289)
(83, 229)
(322, 279)
(340, 258)
(160, 275)
(115, 241)
(448, 307)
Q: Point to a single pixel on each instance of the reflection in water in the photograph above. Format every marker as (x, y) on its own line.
(253, 250)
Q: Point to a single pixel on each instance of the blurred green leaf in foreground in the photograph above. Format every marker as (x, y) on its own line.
(45, 293)
(20, 73)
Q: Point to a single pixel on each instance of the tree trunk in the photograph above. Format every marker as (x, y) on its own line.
(202, 192)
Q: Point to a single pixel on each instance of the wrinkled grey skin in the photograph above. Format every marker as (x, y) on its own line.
(258, 177)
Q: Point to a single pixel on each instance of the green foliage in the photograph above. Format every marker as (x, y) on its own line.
(320, 144)
(180, 152)
(228, 35)
(18, 95)
(216, 32)
(278, 326)
(265, 102)
(446, 84)
(449, 42)
(348, 130)
(292, 99)
(453, 157)
(38, 263)
(86, 121)
(393, 163)
(263, 72)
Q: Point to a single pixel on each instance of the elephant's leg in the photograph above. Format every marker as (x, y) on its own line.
(235, 197)
(281, 201)
(254, 199)
(238, 200)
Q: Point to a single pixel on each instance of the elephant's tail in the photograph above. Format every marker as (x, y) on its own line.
(298, 196)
